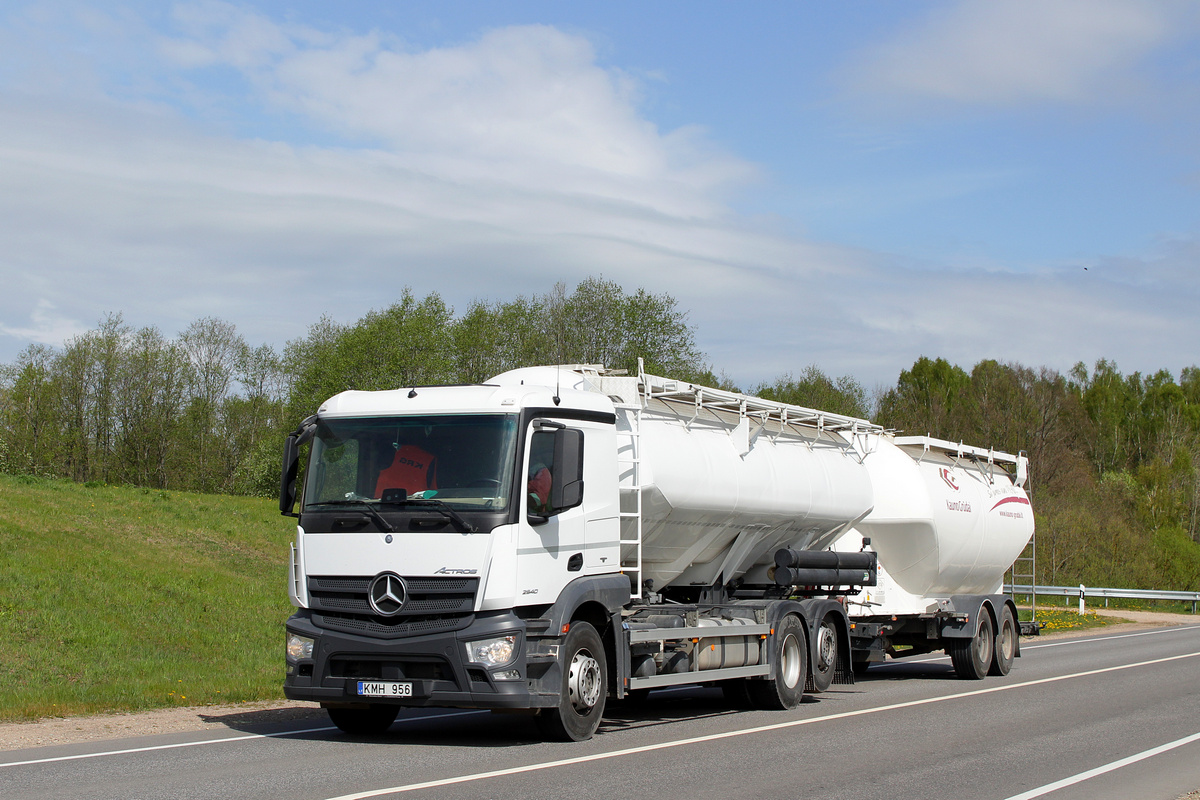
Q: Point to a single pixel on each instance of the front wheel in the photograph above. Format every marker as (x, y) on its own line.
(584, 688)
(789, 653)
(1006, 644)
(972, 658)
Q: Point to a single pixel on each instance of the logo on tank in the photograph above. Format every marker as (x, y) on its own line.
(1011, 506)
(948, 477)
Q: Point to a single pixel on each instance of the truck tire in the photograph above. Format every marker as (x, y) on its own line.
(826, 655)
(1006, 644)
(972, 658)
(789, 654)
(373, 719)
(584, 688)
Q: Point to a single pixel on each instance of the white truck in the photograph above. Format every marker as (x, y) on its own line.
(563, 535)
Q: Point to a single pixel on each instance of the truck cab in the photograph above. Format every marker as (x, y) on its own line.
(437, 526)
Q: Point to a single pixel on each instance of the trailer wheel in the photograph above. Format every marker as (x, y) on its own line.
(825, 658)
(789, 653)
(584, 688)
(367, 721)
(972, 658)
(1006, 644)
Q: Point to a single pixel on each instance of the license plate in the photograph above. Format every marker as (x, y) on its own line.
(384, 689)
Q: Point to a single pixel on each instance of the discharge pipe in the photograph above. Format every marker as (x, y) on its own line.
(824, 568)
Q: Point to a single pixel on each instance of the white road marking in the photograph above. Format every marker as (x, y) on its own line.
(1024, 647)
(1092, 773)
(1154, 632)
(206, 742)
(479, 776)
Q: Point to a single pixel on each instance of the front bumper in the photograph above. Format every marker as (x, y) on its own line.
(434, 664)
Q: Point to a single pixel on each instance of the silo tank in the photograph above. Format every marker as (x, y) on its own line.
(945, 521)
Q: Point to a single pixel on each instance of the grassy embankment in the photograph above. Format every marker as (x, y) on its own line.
(1059, 619)
(117, 598)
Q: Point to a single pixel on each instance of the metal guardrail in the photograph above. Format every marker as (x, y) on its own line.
(1084, 592)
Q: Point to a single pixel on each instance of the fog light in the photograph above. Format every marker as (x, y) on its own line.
(492, 652)
(299, 647)
(507, 675)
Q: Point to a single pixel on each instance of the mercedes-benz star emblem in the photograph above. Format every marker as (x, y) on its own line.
(387, 594)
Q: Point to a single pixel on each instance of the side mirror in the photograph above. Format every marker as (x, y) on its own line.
(566, 488)
(287, 481)
(291, 464)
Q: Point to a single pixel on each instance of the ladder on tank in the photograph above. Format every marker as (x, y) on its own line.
(631, 497)
(1021, 575)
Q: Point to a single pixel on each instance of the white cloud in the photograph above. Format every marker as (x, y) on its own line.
(979, 52)
(495, 168)
(46, 326)
(525, 105)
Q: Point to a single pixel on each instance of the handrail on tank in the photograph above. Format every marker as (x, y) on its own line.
(657, 387)
(956, 450)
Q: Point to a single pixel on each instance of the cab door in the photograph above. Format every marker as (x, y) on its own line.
(552, 532)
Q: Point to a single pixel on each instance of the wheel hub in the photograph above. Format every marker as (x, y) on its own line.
(583, 681)
(790, 661)
(826, 648)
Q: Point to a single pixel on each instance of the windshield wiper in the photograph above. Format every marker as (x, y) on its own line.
(367, 507)
(439, 507)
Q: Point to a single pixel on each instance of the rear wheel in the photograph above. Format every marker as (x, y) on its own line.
(584, 688)
(364, 721)
(790, 655)
(1006, 644)
(826, 654)
(972, 658)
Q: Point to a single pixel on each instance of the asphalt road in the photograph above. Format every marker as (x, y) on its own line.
(1100, 717)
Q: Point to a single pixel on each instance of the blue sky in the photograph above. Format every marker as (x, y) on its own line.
(851, 185)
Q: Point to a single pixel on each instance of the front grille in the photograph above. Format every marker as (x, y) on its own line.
(434, 605)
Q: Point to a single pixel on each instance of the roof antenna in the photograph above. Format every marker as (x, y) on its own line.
(557, 382)
(412, 392)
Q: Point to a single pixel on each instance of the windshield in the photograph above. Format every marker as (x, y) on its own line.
(464, 461)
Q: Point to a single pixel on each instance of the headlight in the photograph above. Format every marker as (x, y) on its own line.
(492, 652)
(299, 647)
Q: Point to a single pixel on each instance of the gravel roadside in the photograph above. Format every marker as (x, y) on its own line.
(258, 717)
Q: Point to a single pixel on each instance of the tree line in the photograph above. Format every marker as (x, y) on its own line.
(1115, 485)
(205, 411)
(1114, 458)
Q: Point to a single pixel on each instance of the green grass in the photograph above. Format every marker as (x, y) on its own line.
(1061, 619)
(118, 598)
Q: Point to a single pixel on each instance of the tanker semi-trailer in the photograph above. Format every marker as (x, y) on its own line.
(948, 522)
(562, 535)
